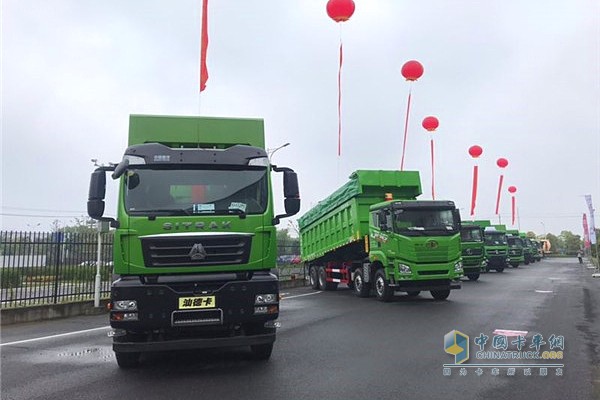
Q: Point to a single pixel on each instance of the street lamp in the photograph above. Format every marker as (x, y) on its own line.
(544, 227)
(270, 152)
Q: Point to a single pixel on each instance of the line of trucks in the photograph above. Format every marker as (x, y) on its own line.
(195, 237)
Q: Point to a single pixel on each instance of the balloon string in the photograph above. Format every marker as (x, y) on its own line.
(405, 129)
(432, 173)
(499, 193)
(474, 192)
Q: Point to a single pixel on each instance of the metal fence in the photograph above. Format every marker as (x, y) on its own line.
(50, 268)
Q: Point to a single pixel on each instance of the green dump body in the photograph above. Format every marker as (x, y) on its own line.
(343, 217)
(495, 245)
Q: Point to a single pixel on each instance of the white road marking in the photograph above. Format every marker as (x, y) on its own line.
(543, 291)
(301, 295)
(103, 327)
(53, 336)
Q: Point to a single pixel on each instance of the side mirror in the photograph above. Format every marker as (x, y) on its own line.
(291, 192)
(95, 204)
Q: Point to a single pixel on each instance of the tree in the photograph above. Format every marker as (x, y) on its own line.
(286, 244)
(554, 245)
(569, 242)
(531, 235)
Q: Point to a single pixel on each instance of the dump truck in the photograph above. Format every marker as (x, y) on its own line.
(194, 236)
(471, 239)
(539, 253)
(528, 250)
(495, 246)
(373, 233)
(515, 248)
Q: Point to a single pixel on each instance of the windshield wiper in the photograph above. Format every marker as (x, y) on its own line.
(241, 213)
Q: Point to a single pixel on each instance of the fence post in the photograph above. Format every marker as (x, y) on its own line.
(57, 261)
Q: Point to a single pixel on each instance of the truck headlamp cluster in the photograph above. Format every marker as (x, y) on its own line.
(124, 305)
(404, 269)
(458, 267)
(270, 298)
(259, 162)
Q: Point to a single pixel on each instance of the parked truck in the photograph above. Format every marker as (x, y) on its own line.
(471, 239)
(372, 233)
(515, 248)
(195, 236)
(528, 250)
(495, 246)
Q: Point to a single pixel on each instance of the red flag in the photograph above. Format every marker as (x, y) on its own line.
(474, 190)
(340, 99)
(204, 46)
(513, 209)
(432, 173)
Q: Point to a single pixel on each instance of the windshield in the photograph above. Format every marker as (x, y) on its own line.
(515, 241)
(470, 235)
(196, 191)
(495, 239)
(421, 220)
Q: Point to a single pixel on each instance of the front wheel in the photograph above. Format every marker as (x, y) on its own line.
(361, 288)
(473, 277)
(383, 291)
(500, 269)
(440, 294)
(515, 265)
(127, 360)
(262, 351)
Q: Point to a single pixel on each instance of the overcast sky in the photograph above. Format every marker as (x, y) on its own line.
(519, 78)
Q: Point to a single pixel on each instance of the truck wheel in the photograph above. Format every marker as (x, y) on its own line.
(262, 351)
(323, 284)
(473, 277)
(527, 262)
(413, 293)
(440, 294)
(515, 265)
(361, 288)
(314, 277)
(383, 291)
(499, 269)
(127, 360)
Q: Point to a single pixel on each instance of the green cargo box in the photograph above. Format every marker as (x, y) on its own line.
(343, 217)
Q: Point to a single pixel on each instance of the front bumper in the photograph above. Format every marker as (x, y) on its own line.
(434, 284)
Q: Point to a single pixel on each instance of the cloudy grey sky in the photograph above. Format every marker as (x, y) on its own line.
(520, 78)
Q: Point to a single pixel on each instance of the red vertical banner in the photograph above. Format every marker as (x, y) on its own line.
(340, 99)
(432, 172)
(474, 189)
(586, 232)
(204, 46)
(405, 130)
(513, 209)
(499, 192)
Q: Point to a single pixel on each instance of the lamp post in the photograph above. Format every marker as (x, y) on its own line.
(270, 152)
(544, 227)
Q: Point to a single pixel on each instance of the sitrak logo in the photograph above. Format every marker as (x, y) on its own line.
(457, 344)
(197, 252)
(431, 244)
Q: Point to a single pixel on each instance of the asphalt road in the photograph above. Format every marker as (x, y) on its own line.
(333, 345)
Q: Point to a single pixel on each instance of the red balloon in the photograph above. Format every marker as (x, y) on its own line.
(412, 70)
(512, 189)
(475, 151)
(340, 10)
(430, 123)
(502, 162)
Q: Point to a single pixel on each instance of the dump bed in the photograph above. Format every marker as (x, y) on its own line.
(343, 217)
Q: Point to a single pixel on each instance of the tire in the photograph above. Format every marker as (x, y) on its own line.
(383, 291)
(313, 275)
(440, 294)
(261, 351)
(127, 360)
(323, 284)
(473, 277)
(413, 293)
(361, 288)
(499, 269)
(514, 265)
(526, 262)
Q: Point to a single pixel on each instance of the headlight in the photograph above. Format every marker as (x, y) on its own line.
(124, 305)
(404, 269)
(484, 262)
(458, 267)
(269, 298)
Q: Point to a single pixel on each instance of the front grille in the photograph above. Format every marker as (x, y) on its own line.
(472, 252)
(496, 252)
(197, 318)
(177, 251)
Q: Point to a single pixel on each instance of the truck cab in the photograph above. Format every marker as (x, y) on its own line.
(515, 248)
(471, 238)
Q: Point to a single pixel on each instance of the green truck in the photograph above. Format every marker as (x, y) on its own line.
(528, 250)
(515, 248)
(471, 240)
(495, 246)
(195, 236)
(372, 233)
